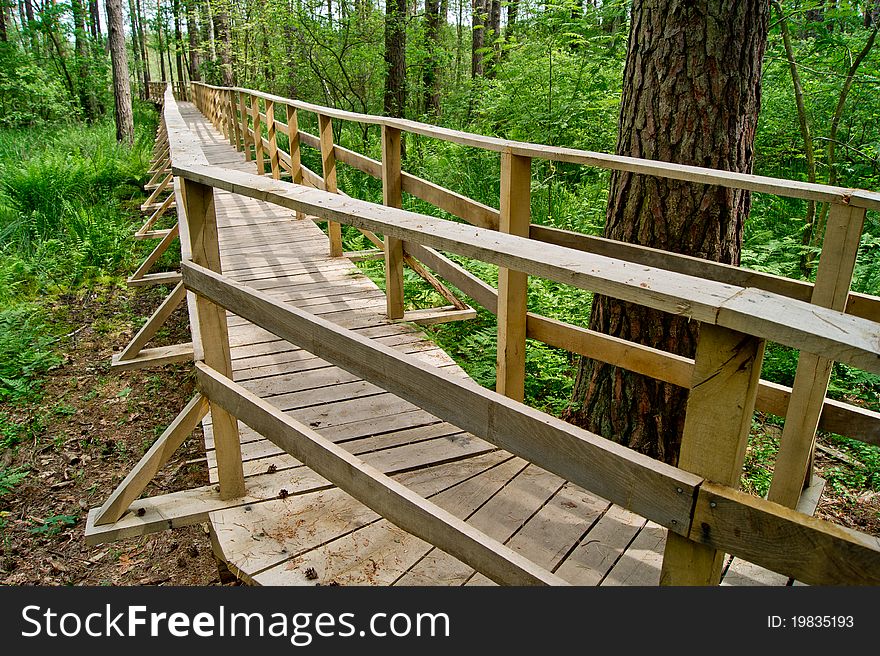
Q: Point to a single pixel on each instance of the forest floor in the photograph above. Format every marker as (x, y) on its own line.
(89, 428)
(91, 425)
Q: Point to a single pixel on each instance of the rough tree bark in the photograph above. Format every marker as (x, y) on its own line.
(94, 19)
(159, 40)
(143, 92)
(119, 61)
(691, 95)
(224, 47)
(395, 57)
(178, 42)
(142, 44)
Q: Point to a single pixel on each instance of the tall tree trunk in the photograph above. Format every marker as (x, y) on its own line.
(430, 78)
(159, 39)
(142, 44)
(512, 15)
(192, 31)
(691, 95)
(495, 26)
(87, 98)
(4, 37)
(94, 19)
(31, 27)
(224, 47)
(136, 50)
(395, 57)
(119, 61)
(478, 21)
(178, 43)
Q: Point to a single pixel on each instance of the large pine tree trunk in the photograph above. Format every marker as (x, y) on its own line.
(119, 61)
(691, 95)
(224, 46)
(395, 57)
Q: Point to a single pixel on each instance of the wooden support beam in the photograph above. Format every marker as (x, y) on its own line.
(149, 203)
(328, 167)
(205, 251)
(156, 320)
(272, 139)
(258, 136)
(155, 216)
(713, 444)
(245, 126)
(155, 357)
(231, 123)
(154, 256)
(150, 279)
(513, 285)
(152, 461)
(392, 197)
(296, 172)
(833, 278)
(382, 494)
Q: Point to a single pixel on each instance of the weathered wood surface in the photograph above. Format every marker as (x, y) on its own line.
(291, 519)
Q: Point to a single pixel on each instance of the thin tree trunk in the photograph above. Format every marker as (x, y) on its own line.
(192, 30)
(31, 27)
(119, 60)
(495, 25)
(136, 50)
(4, 37)
(87, 98)
(512, 15)
(221, 35)
(430, 78)
(691, 95)
(142, 43)
(94, 19)
(395, 57)
(806, 136)
(178, 44)
(159, 40)
(479, 30)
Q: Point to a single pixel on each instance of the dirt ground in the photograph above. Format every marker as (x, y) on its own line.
(90, 427)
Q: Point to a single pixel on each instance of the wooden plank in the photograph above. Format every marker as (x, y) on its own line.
(604, 467)
(257, 135)
(391, 196)
(640, 564)
(833, 279)
(295, 157)
(328, 168)
(152, 461)
(245, 127)
(154, 357)
(716, 431)
(272, 140)
(860, 305)
(151, 200)
(162, 278)
(154, 256)
(783, 540)
(380, 552)
(211, 319)
(156, 321)
(155, 216)
(277, 532)
(389, 498)
(433, 316)
(513, 285)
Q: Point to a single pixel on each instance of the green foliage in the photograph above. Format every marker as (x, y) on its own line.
(29, 93)
(53, 525)
(25, 352)
(10, 477)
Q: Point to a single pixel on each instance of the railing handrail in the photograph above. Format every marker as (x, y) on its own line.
(731, 179)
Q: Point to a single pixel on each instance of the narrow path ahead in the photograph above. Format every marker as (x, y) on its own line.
(297, 529)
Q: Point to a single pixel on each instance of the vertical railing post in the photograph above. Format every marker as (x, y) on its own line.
(245, 126)
(231, 123)
(515, 207)
(833, 279)
(392, 196)
(328, 167)
(222, 117)
(258, 136)
(201, 221)
(274, 163)
(724, 386)
(296, 172)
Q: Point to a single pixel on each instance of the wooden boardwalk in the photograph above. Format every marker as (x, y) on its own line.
(294, 528)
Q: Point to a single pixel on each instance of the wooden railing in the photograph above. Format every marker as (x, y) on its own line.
(698, 502)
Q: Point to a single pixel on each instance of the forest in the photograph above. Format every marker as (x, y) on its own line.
(543, 72)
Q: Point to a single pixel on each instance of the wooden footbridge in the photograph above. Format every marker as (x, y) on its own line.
(345, 448)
